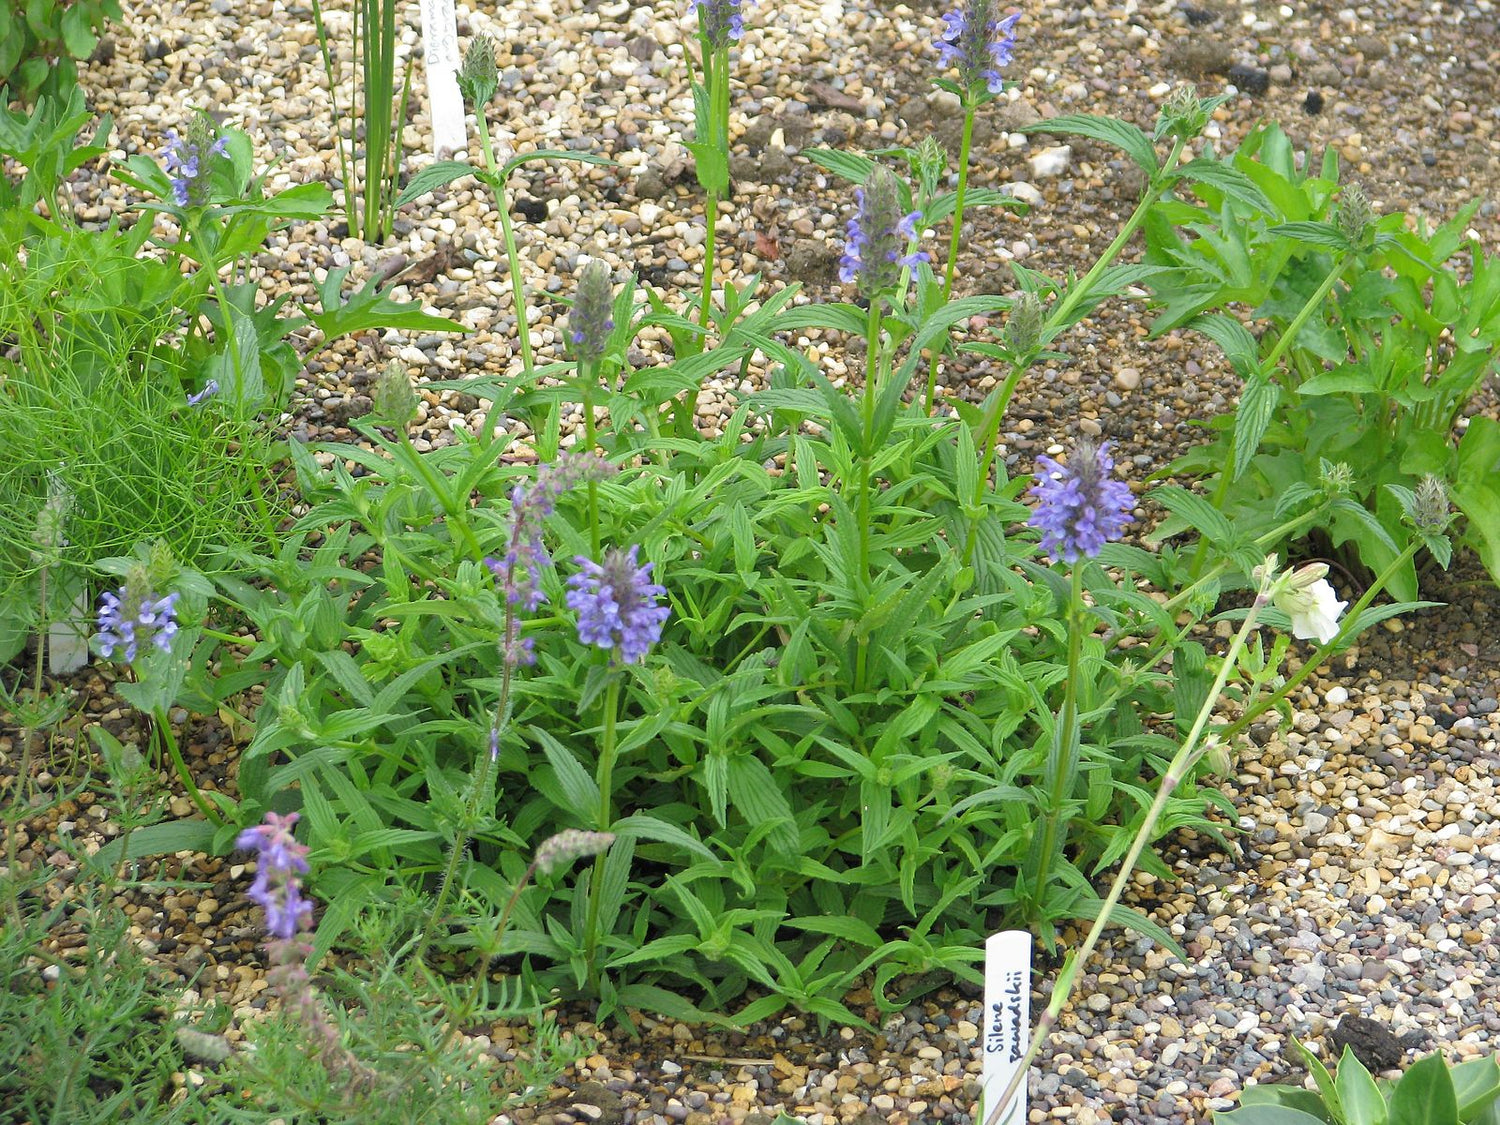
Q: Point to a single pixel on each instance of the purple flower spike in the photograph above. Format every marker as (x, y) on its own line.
(878, 237)
(189, 161)
(720, 21)
(1079, 508)
(134, 615)
(978, 43)
(616, 604)
(277, 888)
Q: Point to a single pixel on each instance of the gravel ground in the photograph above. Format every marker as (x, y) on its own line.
(1362, 884)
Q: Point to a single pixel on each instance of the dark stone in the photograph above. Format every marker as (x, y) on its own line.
(1197, 17)
(1201, 56)
(1372, 1043)
(1252, 80)
(641, 47)
(1313, 103)
(532, 210)
(811, 261)
(601, 1096)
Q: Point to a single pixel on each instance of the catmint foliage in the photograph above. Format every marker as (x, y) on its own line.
(878, 237)
(721, 22)
(135, 615)
(189, 161)
(1080, 507)
(592, 319)
(616, 604)
(478, 78)
(978, 41)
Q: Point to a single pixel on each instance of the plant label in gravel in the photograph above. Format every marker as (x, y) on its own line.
(440, 53)
(1007, 1017)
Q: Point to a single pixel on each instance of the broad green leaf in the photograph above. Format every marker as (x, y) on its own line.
(1361, 1099)
(1425, 1095)
(1258, 402)
(160, 839)
(1268, 1115)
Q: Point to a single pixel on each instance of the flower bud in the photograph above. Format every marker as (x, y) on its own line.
(1183, 115)
(478, 78)
(1430, 511)
(395, 403)
(1355, 215)
(1023, 327)
(591, 321)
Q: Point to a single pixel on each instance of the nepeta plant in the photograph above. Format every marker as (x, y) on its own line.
(190, 161)
(616, 604)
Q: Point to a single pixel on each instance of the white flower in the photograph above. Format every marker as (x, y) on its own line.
(1308, 599)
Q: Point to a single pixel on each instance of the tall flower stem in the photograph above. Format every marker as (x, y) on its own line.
(866, 455)
(1177, 771)
(588, 376)
(167, 743)
(1062, 763)
(953, 242)
(481, 786)
(1267, 365)
(989, 424)
(508, 234)
(603, 822)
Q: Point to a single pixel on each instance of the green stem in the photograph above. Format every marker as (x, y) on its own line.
(211, 267)
(588, 375)
(1267, 365)
(481, 786)
(167, 740)
(1176, 772)
(512, 254)
(605, 819)
(457, 516)
(705, 299)
(866, 454)
(1062, 765)
(953, 242)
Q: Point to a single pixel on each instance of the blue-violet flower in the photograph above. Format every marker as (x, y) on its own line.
(616, 604)
(210, 389)
(878, 237)
(1080, 508)
(720, 22)
(189, 161)
(978, 42)
(134, 615)
(280, 861)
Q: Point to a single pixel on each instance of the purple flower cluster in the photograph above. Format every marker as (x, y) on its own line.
(721, 22)
(189, 162)
(280, 860)
(878, 237)
(978, 42)
(1079, 507)
(134, 615)
(616, 604)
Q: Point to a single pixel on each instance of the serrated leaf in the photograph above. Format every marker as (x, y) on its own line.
(1111, 131)
(1258, 402)
(434, 176)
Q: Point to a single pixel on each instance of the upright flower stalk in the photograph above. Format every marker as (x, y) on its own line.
(589, 326)
(617, 608)
(877, 249)
(518, 574)
(719, 25)
(1080, 507)
(978, 42)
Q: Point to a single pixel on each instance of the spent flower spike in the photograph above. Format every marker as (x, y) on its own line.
(616, 604)
(878, 236)
(1080, 507)
(189, 161)
(978, 42)
(569, 845)
(134, 615)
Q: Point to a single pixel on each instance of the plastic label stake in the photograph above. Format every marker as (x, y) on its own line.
(440, 53)
(1006, 1031)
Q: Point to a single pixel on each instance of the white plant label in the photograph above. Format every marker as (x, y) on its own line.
(440, 55)
(1006, 1032)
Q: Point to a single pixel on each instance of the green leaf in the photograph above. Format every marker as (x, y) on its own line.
(654, 828)
(434, 176)
(1196, 512)
(160, 839)
(1425, 1095)
(580, 791)
(1323, 1079)
(1293, 1097)
(1122, 135)
(1476, 1084)
(1358, 1093)
(78, 37)
(848, 165)
(650, 998)
(1324, 235)
(1268, 1115)
(1257, 407)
